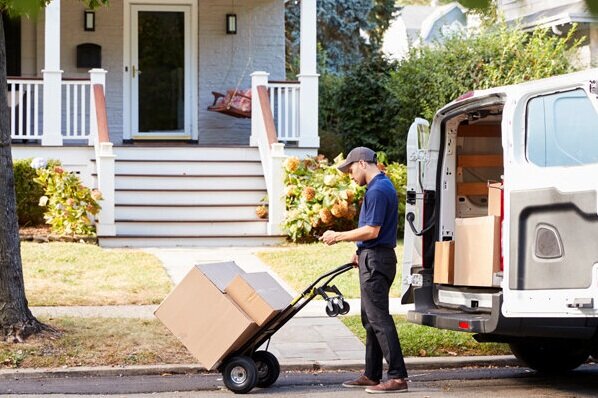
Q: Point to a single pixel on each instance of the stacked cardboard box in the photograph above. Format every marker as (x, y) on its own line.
(444, 266)
(218, 307)
(477, 250)
(473, 257)
(477, 243)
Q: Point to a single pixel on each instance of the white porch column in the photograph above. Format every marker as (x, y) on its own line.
(52, 98)
(96, 76)
(105, 171)
(276, 202)
(308, 77)
(258, 78)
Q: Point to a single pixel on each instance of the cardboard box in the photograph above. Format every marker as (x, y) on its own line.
(204, 319)
(221, 274)
(444, 265)
(477, 250)
(495, 199)
(259, 295)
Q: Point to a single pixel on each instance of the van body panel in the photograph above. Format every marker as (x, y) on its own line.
(549, 250)
(550, 258)
(548, 285)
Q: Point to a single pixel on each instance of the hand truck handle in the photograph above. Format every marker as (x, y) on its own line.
(332, 274)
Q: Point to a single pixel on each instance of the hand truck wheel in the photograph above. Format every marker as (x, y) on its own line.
(344, 307)
(268, 368)
(332, 309)
(240, 374)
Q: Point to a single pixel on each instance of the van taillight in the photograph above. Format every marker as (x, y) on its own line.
(464, 325)
(468, 94)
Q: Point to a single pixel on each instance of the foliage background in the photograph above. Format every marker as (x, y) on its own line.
(375, 101)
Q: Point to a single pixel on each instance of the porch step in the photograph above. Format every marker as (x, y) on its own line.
(197, 197)
(189, 167)
(190, 228)
(188, 196)
(189, 241)
(214, 212)
(186, 153)
(187, 181)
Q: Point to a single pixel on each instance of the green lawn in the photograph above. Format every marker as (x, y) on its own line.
(97, 342)
(425, 341)
(300, 265)
(84, 274)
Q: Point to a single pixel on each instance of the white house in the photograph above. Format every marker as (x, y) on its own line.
(559, 17)
(172, 173)
(421, 25)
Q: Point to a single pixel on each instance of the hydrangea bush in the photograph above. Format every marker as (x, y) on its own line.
(320, 197)
(70, 206)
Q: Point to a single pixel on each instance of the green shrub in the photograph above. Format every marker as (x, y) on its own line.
(432, 76)
(28, 192)
(367, 111)
(331, 141)
(70, 206)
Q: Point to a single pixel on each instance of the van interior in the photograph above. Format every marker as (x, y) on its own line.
(467, 264)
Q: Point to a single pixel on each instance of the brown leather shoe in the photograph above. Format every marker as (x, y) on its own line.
(361, 382)
(390, 385)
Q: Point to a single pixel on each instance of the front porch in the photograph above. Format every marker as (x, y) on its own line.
(199, 183)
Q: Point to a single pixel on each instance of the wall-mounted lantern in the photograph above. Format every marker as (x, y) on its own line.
(231, 24)
(89, 21)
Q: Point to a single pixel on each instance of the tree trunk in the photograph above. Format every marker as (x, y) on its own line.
(16, 320)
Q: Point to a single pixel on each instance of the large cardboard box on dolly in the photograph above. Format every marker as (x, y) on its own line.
(477, 250)
(208, 322)
(444, 265)
(259, 295)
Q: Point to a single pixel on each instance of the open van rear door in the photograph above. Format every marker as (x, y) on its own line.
(551, 203)
(418, 155)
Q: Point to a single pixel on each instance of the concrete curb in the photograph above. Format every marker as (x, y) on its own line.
(413, 363)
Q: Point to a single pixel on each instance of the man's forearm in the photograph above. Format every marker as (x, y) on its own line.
(366, 232)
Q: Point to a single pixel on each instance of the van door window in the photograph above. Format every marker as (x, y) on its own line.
(562, 130)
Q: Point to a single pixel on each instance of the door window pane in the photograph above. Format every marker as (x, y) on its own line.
(161, 38)
(562, 130)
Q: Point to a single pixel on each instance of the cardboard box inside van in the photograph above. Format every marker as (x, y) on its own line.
(477, 250)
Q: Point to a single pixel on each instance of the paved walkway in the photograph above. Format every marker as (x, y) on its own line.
(310, 338)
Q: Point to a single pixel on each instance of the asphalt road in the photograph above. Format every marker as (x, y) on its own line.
(468, 382)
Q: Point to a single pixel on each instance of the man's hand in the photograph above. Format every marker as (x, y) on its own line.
(329, 237)
(355, 260)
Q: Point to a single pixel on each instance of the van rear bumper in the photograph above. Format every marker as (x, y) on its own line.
(453, 320)
(493, 326)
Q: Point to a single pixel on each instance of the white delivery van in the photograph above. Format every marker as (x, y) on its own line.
(501, 231)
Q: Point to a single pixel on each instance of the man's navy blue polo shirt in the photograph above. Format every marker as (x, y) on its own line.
(380, 207)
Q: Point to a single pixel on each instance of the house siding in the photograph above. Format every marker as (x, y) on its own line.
(531, 11)
(514, 9)
(223, 59)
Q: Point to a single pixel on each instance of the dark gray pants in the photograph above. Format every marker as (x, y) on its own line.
(377, 269)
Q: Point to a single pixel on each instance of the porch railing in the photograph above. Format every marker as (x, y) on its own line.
(284, 103)
(76, 101)
(265, 137)
(25, 99)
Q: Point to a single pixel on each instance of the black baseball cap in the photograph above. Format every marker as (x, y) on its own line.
(357, 154)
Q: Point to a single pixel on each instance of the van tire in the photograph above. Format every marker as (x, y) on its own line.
(551, 355)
